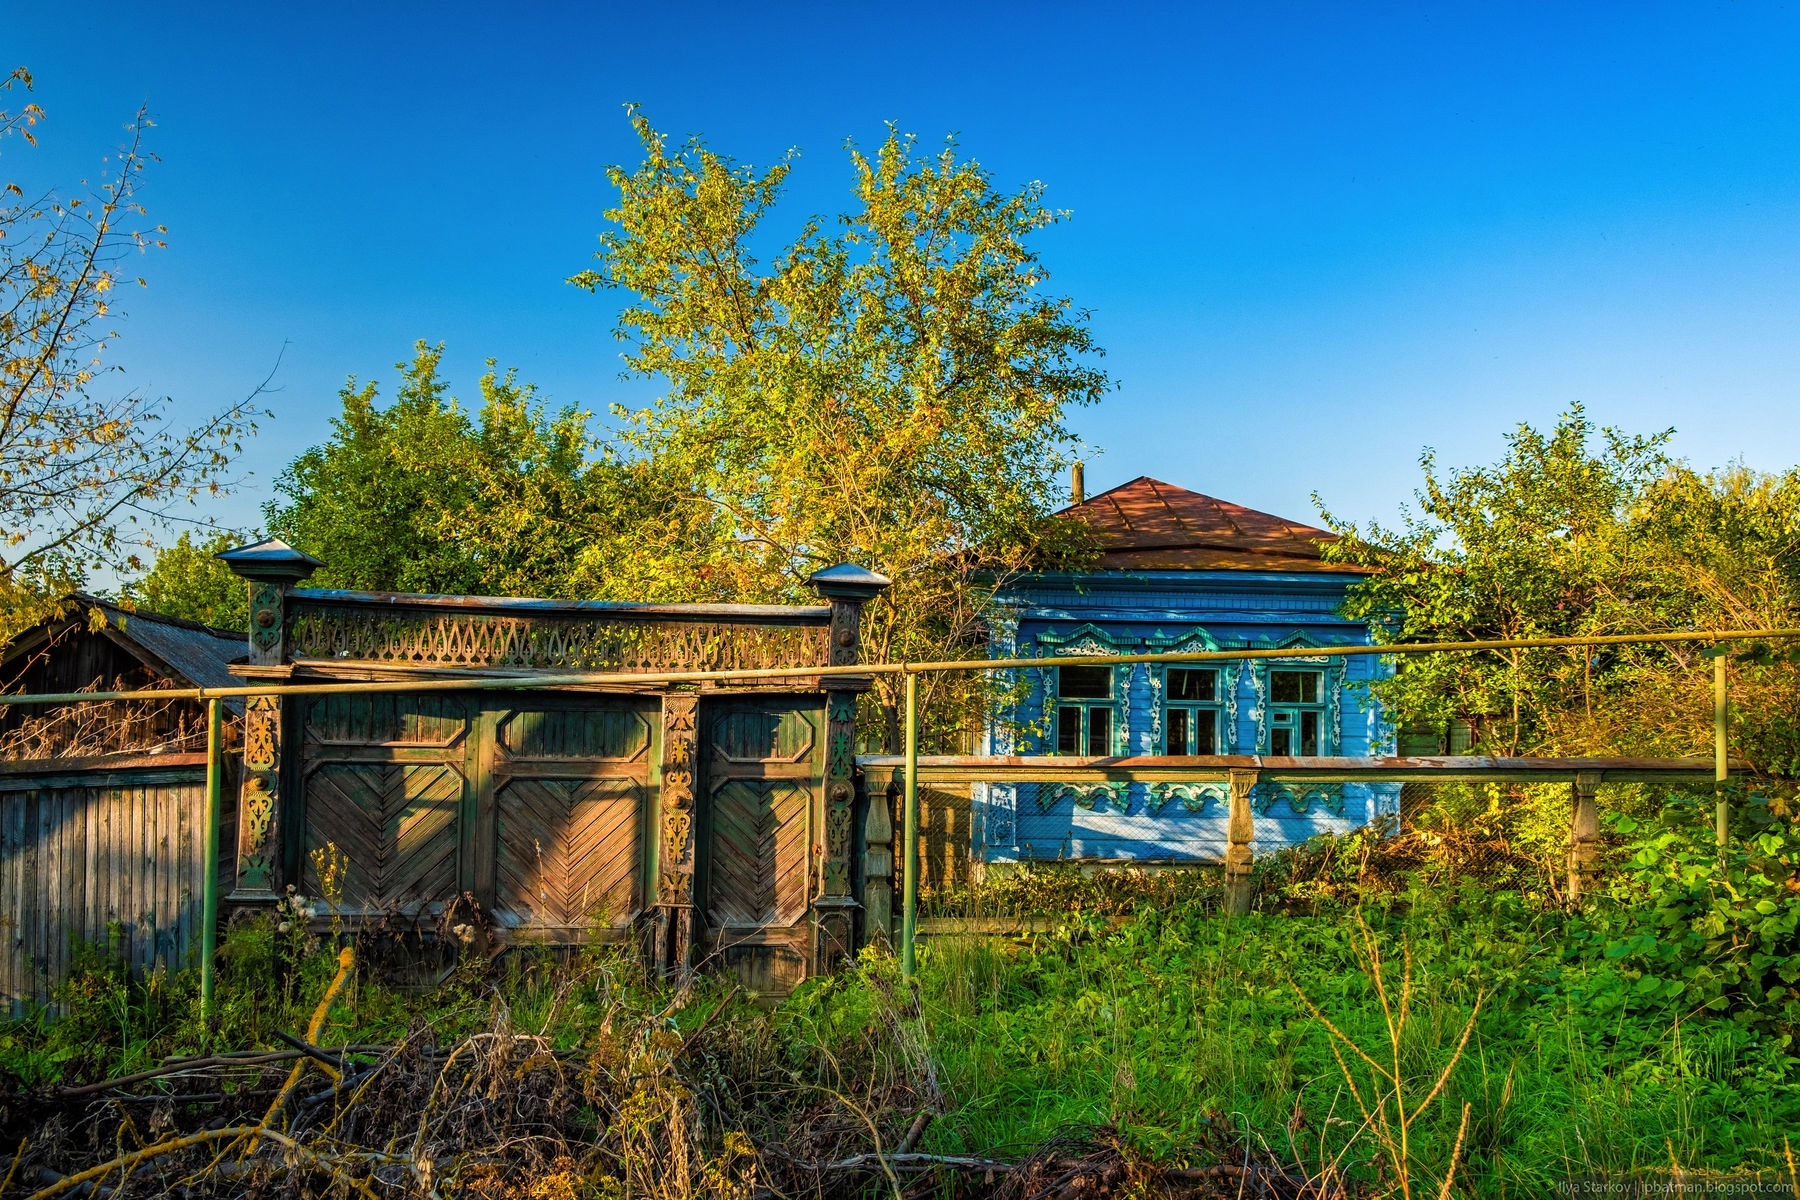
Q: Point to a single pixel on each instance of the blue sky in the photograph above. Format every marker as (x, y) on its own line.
(1314, 237)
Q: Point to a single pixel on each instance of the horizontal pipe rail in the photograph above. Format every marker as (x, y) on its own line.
(437, 682)
(1218, 768)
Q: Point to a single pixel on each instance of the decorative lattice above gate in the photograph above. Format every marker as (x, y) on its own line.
(543, 635)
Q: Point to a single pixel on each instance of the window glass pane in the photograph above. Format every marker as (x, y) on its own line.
(1084, 683)
(1068, 731)
(1192, 685)
(1099, 731)
(1309, 733)
(1294, 687)
(1177, 740)
(1281, 741)
(1206, 733)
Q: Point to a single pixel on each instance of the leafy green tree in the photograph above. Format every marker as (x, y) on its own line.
(187, 581)
(424, 495)
(890, 390)
(1585, 531)
(368, 501)
(1724, 552)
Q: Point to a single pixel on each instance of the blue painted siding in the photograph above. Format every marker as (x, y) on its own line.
(1139, 612)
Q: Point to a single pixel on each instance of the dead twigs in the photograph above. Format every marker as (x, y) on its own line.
(670, 1100)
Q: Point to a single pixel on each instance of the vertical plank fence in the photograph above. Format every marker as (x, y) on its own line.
(104, 851)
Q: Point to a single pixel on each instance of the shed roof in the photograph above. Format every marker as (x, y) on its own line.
(198, 653)
(1149, 525)
(184, 651)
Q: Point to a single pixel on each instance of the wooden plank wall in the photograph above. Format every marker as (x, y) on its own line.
(944, 849)
(104, 855)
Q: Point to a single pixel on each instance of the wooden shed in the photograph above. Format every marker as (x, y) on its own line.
(103, 805)
(97, 645)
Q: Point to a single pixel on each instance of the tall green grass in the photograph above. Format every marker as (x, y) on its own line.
(1188, 1034)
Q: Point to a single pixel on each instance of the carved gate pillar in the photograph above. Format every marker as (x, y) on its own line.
(673, 928)
(1584, 834)
(848, 588)
(1240, 831)
(272, 568)
(878, 861)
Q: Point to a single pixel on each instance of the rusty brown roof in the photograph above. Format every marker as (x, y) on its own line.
(1149, 525)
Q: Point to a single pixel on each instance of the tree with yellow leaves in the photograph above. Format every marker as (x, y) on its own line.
(890, 391)
(86, 478)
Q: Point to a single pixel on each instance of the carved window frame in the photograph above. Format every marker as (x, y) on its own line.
(1197, 640)
(1331, 670)
(1088, 639)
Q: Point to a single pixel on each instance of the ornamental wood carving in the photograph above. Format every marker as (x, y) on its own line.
(846, 633)
(258, 832)
(672, 947)
(1240, 827)
(675, 883)
(265, 623)
(546, 641)
(840, 791)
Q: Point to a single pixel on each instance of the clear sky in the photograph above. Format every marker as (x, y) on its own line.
(1314, 237)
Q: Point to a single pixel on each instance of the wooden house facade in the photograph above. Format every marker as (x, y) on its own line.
(713, 821)
(1179, 571)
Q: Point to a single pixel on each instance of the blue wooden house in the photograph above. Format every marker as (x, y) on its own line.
(1179, 572)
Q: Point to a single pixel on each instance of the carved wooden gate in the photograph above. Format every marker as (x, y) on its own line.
(569, 787)
(386, 781)
(536, 806)
(763, 763)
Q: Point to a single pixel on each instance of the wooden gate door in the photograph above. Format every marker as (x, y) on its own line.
(566, 791)
(763, 766)
(385, 780)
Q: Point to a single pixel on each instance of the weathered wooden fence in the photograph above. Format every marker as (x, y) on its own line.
(105, 851)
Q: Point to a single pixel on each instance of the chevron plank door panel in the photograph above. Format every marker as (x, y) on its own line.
(398, 824)
(568, 851)
(758, 868)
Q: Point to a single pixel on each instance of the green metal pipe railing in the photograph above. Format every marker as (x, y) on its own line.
(209, 884)
(1721, 768)
(639, 678)
(909, 904)
(909, 671)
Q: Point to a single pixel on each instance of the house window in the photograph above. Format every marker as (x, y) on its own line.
(1084, 711)
(1191, 711)
(1296, 712)
(1424, 739)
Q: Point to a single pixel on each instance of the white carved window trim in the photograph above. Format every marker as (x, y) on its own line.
(1331, 683)
(1089, 639)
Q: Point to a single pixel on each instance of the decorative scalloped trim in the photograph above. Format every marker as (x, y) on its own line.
(1301, 798)
(1193, 796)
(1085, 795)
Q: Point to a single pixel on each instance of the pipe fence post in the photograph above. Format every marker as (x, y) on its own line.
(1721, 767)
(909, 919)
(209, 887)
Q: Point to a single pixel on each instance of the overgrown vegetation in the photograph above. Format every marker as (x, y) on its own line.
(1581, 531)
(1650, 1032)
